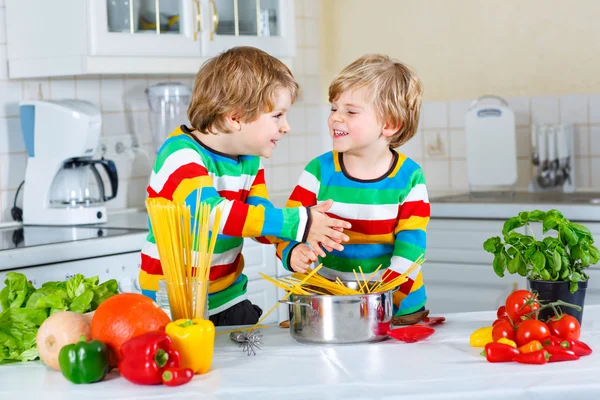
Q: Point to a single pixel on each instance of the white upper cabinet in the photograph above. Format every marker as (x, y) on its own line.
(81, 37)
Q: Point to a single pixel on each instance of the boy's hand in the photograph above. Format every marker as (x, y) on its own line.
(301, 258)
(323, 230)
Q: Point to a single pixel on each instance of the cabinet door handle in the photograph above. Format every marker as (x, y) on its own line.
(215, 19)
(198, 18)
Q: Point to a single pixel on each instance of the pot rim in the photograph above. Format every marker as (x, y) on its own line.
(352, 296)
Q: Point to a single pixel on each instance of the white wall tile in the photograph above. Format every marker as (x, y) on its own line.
(3, 63)
(311, 61)
(113, 124)
(7, 199)
(281, 154)
(298, 62)
(136, 193)
(297, 149)
(524, 174)
(414, 147)
(311, 33)
(280, 179)
(300, 39)
(544, 110)
(62, 88)
(312, 8)
(316, 121)
(458, 175)
(582, 171)
(134, 95)
(436, 144)
(88, 89)
(10, 95)
(111, 94)
(437, 174)
(595, 178)
(299, 8)
(458, 144)
(594, 108)
(457, 111)
(574, 109)
(2, 24)
(297, 119)
(523, 139)
(137, 122)
(11, 140)
(434, 115)
(312, 90)
(595, 144)
(12, 170)
(295, 171)
(34, 89)
(520, 106)
(581, 140)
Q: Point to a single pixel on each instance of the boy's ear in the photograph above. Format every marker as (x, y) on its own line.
(233, 121)
(390, 128)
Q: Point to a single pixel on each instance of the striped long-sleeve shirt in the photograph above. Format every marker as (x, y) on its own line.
(389, 217)
(237, 184)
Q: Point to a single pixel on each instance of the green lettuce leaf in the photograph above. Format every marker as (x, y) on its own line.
(18, 329)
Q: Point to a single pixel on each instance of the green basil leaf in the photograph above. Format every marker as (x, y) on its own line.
(513, 265)
(499, 264)
(524, 216)
(568, 235)
(557, 261)
(512, 223)
(581, 230)
(545, 274)
(573, 286)
(491, 244)
(537, 216)
(538, 260)
(550, 222)
(565, 274)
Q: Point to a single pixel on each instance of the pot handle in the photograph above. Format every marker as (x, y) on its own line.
(292, 303)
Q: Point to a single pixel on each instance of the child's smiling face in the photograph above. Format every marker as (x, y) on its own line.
(353, 123)
(260, 137)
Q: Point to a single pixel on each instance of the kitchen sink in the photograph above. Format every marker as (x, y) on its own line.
(584, 198)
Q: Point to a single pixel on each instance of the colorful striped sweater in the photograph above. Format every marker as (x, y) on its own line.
(183, 166)
(389, 217)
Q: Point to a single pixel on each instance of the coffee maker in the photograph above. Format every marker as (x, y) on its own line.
(62, 184)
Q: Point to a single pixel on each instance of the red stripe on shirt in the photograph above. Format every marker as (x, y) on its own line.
(236, 219)
(306, 197)
(378, 227)
(186, 171)
(414, 209)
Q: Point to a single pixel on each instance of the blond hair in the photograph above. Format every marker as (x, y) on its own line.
(242, 80)
(394, 88)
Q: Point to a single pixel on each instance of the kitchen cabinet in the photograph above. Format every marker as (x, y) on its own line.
(81, 37)
(458, 273)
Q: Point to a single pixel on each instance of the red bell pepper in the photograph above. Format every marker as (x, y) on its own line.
(499, 352)
(580, 348)
(559, 353)
(145, 357)
(537, 357)
(411, 334)
(177, 376)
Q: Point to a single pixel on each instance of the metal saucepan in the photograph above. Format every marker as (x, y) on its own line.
(340, 319)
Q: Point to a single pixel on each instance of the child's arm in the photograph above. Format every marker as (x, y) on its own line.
(182, 181)
(410, 232)
(304, 194)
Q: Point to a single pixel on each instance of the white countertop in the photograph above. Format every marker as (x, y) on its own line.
(442, 367)
(69, 249)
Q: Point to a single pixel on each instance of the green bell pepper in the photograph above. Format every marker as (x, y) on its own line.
(84, 362)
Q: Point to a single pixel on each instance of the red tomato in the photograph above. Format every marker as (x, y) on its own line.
(531, 329)
(519, 303)
(503, 329)
(565, 327)
(501, 313)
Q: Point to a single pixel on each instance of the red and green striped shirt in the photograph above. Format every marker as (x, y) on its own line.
(237, 185)
(389, 217)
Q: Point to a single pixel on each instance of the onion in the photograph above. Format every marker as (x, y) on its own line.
(59, 330)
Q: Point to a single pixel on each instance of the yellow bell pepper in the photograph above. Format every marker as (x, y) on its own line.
(481, 337)
(508, 342)
(194, 339)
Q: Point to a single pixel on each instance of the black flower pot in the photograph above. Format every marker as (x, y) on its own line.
(549, 291)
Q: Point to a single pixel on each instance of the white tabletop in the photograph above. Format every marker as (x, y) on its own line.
(442, 367)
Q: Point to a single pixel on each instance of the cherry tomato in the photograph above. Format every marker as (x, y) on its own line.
(501, 313)
(531, 329)
(516, 304)
(565, 327)
(503, 329)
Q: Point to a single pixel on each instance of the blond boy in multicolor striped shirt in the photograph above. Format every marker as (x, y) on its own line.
(238, 113)
(375, 104)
